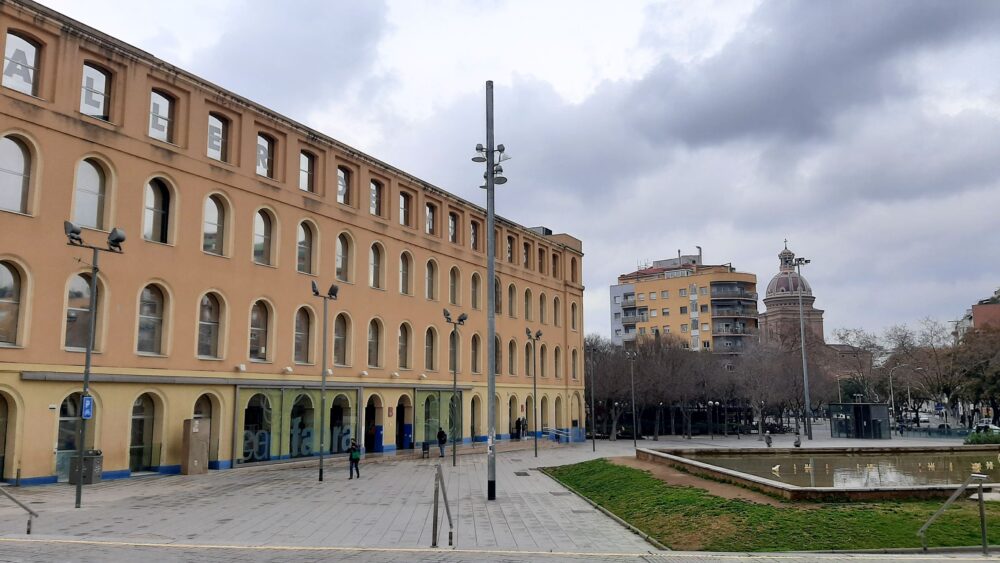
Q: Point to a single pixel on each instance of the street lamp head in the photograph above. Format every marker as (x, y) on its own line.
(538, 334)
(115, 239)
(499, 180)
(333, 291)
(315, 288)
(479, 153)
(527, 331)
(447, 315)
(462, 318)
(72, 233)
(501, 148)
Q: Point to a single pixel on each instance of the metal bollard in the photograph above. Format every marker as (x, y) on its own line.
(434, 534)
(982, 520)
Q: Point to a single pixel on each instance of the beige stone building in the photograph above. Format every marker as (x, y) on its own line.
(231, 211)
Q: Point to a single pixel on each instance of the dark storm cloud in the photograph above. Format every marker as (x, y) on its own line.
(797, 65)
(294, 57)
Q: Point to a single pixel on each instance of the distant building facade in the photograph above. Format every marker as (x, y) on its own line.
(709, 307)
(780, 319)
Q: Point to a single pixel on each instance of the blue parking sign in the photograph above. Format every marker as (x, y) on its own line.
(87, 409)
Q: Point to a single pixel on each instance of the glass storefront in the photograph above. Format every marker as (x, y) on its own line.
(437, 410)
(3, 432)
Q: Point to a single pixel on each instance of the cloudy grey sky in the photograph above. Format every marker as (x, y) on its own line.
(867, 133)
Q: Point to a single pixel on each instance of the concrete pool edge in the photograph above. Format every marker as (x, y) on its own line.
(675, 458)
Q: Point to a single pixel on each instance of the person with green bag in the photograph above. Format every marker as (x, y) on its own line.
(355, 455)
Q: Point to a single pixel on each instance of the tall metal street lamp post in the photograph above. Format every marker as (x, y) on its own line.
(631, 356)
(593, 410)
(534, 384)
(799, 262)
(331, 295)
(115, 239)
(453, 359)
(892, 397)
(492, 157)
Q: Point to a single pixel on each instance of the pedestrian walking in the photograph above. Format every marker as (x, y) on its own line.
(767, 438)
(442, 440)
(517, 429)
(354, 453)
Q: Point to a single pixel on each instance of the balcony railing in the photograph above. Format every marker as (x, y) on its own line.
(629, 336)
(632, 319)
(628, 301)
(719, 312)
(733, 294)
(723, 331)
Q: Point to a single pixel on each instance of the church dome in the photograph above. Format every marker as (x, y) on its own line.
(787, 280)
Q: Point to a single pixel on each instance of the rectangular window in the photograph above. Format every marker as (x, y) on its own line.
(453, 227)
(703, 290)
(95, 92)
(430, 221)
(683, 293)
(666, 330)
(510, 250)
(665, 312)
(706, 344)
(20, 65)
(375, 205)
(307, 171)
(265, 155)
(704, 308)
(641, 296)
(343, 185)
(642, 330)
(652, 296)
(652, 313)
(684, 310)
(665, 294)
(526, 255)
(218, 137)
(684, 328)
(704, 327)
(161, 116)
(474, 235)
(618, 299)
(618, 316)
(405, 207)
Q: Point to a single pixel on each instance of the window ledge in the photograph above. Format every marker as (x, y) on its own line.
(169, 244)
(272, 266)
(12, 212)
(203, 251)
(166, 144)
(8, 346)
(310, 274)
(253, 361)
(305, 364)
(106, 123)
(150, 355)
(81, 350)
(210, 358)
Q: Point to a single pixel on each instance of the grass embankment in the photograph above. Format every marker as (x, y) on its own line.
(692, 519)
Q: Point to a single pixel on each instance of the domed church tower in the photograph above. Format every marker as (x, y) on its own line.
(780, 321)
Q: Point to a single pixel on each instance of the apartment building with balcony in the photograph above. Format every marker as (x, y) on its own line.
(708, 307)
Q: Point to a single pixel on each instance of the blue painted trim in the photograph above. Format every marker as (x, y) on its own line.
(503, 436)
(389, 449)
(480, 439)
(168, 469)
(220, 464)
(32, 481)
(281, 457)
(117, 474)
(466, 441)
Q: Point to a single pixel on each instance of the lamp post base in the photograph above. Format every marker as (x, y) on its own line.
(491, 490)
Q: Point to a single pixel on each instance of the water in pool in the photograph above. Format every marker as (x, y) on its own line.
(863, 470)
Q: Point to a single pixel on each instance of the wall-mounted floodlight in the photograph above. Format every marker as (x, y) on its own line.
(72, 233)
(115, 239)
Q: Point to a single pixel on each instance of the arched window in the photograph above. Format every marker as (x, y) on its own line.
(15, 174)
(374, 343)
(209, 323)
(454, 285)
(512, 301)
(341, 339)
(265, 155)
(214, 231)
(573, 363)
(262, 229)
(543, 358)
(151, 314)
(156, 218)
(91, 186)
(475, 353)
(303, 331)
(218, 137)
(20, 65)
(304, 248)
(95, 92)
(404, 346)
(557, 358)
(528, 371)
(498, 297)
(556, 312)
(405, 267)
(430, 349)
(10, 303)
(453, 351)
(259, 324)
(512, 357)
(343, 185)
(375, 266)
(161, 116)
(527, 305)
(78, 312)
(476, 282)
(572, 316)
(497, 355)
(542, 304)
(343, 257)
(431, 280)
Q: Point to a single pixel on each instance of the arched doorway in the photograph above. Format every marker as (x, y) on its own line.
(574, 421)
(68, 436)
(432, 420)
(140, 449)
(455, 418)
(204, 413)
(4, 417)
(475, 412)
(544, 406)
(512, 416)
(300, 428)
(529, 415)
(373, 424)
(257, 429)
(404, 423)
(340, 424)
(559, 416)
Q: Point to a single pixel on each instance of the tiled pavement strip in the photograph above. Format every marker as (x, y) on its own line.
(280, 513)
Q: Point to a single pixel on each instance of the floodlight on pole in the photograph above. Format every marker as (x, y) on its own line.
(331, 295)
(799, 262)
(534, 383)
(453, 360)
(114, 245)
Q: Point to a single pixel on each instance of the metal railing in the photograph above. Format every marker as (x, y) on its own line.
(632, 319)
(737, 294)
(922, 532)
(31, 513)
(439, 486)
(719, 312)
(561, 435)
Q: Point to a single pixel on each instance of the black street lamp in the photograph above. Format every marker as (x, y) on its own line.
(593, 408)
(534, 384)
(115, 239)
(631, 356)
(453, 358)
(799, 262)
(331, 295)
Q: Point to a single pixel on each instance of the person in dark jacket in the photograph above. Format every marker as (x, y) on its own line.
(354, 453)
(442, 440)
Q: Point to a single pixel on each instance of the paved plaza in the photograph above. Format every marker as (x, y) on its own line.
(281, 512)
